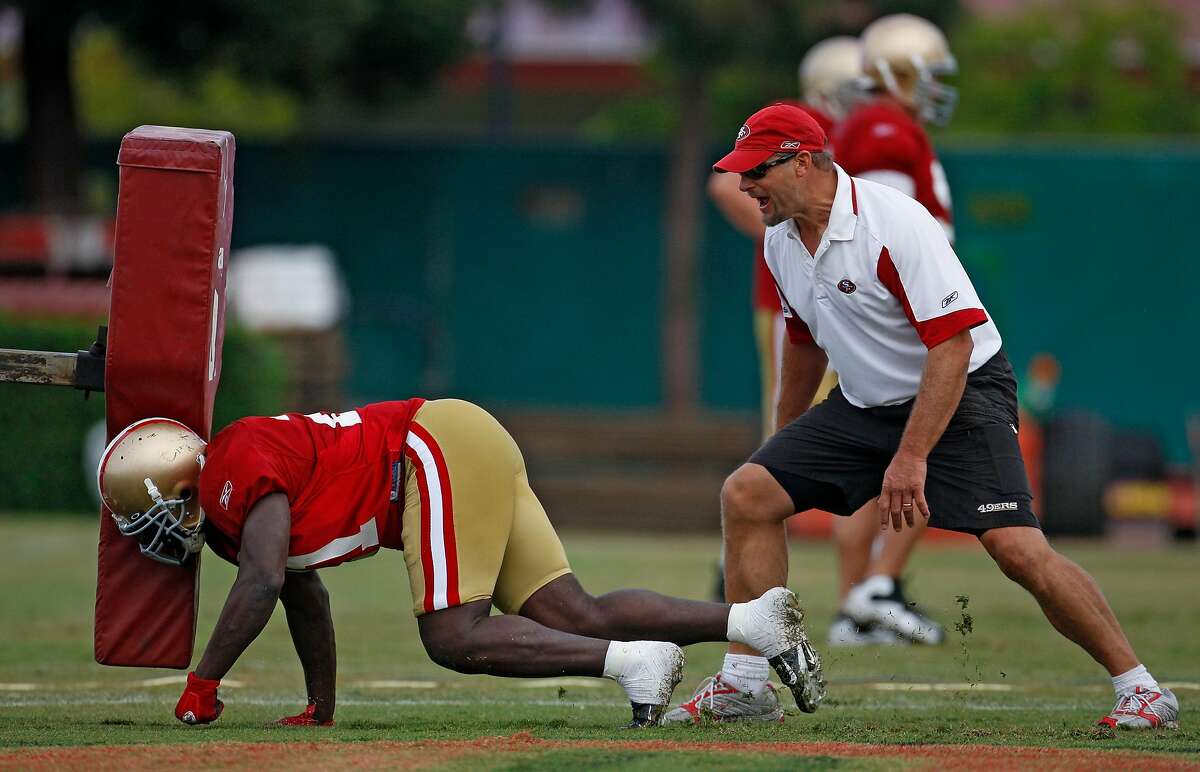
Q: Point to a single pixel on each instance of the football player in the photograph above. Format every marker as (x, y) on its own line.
(904, 58)
(441, 480)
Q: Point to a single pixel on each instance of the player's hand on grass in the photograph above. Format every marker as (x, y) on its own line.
(903, 491)
(199, 704)
(307, 718)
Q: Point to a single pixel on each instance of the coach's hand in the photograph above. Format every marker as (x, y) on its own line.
(307, 718)
(199, 704)
(903, 491)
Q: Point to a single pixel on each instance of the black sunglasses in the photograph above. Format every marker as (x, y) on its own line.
(760, 171)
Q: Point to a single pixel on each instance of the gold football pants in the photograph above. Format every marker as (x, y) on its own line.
(472, 526)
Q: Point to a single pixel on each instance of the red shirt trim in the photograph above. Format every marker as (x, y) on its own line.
(931, 331)
(797, 330)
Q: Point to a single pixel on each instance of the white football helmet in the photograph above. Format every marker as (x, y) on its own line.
(905, 55)
(149, 478)
(830, 73)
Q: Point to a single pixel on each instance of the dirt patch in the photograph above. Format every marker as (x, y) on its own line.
(431, 753)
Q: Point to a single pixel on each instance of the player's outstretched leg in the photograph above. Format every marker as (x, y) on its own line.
(772, 624)
(1074, 604)
(468, 640)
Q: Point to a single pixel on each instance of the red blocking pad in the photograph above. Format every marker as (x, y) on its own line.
(165, 328)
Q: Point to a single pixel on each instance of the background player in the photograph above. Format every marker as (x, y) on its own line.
(828, 74)
(883, 140)
(444, 482)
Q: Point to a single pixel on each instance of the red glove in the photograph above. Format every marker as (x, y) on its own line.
(199, 704)
(304, 719)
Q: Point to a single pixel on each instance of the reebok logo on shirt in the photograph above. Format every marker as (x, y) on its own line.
(953, 296)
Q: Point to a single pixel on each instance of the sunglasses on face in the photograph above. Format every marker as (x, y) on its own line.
(760, 171)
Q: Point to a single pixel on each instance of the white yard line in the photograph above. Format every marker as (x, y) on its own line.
(550, 683)
(895, 686)
(900, 703)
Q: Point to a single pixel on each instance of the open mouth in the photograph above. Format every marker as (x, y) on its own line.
(762, 202)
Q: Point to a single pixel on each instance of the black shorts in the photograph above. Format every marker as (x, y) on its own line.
(833, 457)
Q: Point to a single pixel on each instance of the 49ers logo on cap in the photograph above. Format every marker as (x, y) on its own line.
(743, 132)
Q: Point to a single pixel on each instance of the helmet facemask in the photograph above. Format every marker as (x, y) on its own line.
(170, 531)
(933, 100)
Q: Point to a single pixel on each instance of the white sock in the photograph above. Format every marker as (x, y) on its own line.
(745, 672)
(639, 667)
(1128, 681)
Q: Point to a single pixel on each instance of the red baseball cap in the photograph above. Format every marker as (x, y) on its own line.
(777, 128)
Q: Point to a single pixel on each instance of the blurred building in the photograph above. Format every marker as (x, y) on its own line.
(537, 69)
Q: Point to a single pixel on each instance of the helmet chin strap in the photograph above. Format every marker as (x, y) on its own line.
(152, 489)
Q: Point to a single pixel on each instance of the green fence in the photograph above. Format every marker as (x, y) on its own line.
(529, 274)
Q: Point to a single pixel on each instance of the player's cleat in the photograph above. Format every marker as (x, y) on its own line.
(646, 715)
(800, 670)
(774, 625)
(716, 700)
(846, 632)
(648, 671)
(880, 601)
(1144, 709)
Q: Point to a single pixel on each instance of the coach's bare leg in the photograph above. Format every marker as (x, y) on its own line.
(753, 508)
(626, 615)
(1068, 595)
(468, 639)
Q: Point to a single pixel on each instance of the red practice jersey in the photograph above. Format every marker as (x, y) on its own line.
(341, 472)
(880, 141)
(766, 297)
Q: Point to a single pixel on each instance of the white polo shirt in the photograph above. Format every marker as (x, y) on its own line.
(883, 288)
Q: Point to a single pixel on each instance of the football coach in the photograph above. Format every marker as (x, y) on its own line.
(924, 420)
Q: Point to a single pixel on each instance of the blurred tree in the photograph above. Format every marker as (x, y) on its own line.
(1079, 68)
(374, 50)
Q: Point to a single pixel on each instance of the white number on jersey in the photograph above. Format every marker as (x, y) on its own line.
(366, 540)
(336, 420)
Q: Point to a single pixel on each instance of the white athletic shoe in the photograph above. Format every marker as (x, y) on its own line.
(716, 700)
(846, 632)
(880, 601)
(1144, 709)
(774, 625)
(648, 671)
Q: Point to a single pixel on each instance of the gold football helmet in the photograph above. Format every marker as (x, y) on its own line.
(905, 55)
(830, 73)
(149, 478)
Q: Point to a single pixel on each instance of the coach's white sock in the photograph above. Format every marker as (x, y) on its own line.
(1130, 680)
(745, 672)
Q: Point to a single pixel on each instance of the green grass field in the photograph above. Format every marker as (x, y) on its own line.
(1010, 681)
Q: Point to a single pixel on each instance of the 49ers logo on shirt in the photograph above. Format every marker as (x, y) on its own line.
(847, 286)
